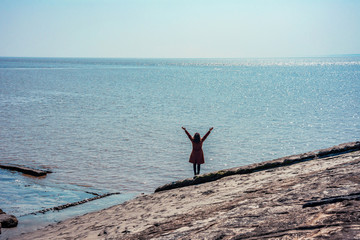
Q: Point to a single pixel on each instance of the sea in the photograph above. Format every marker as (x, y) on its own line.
(114, 125)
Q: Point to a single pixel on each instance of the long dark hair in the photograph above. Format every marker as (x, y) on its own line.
(197, 137)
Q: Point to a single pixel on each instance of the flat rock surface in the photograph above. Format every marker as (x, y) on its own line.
(268, 204)
(26, 170)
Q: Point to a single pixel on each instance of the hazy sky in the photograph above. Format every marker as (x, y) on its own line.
(179, 28)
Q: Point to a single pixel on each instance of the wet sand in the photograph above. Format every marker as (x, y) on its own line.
(264, 204)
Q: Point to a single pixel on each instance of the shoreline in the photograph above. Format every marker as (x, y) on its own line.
(262, 166)
(200, 210)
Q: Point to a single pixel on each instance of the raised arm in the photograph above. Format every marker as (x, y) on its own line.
(187, 133)
(207, 134)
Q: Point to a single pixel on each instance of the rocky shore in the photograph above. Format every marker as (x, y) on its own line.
(314, 197)
(7, 220)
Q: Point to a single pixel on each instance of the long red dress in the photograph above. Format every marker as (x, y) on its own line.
(197, 154)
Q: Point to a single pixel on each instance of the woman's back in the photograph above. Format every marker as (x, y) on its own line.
(197, 155)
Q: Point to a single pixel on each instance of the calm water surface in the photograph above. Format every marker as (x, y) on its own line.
(107, 125)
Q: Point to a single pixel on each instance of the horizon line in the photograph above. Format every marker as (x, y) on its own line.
(310, 56)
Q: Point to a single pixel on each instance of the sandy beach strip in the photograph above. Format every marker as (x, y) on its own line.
(264, 204)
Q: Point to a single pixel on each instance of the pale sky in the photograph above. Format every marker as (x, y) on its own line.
(179, 28)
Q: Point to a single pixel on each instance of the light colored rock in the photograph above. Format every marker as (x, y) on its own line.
(268, 204)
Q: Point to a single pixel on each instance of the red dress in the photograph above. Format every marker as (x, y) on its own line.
(197, 154)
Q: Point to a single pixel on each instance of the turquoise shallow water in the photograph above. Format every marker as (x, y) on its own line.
(109, 125)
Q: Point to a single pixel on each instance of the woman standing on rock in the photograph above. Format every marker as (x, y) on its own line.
(197, 154)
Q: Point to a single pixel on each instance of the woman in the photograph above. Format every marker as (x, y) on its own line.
(197, 154)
